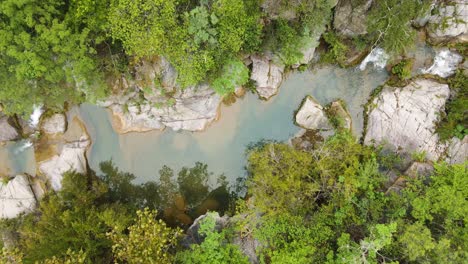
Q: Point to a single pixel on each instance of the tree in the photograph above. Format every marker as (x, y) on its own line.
(215, 248)
(44, 59)
(142, 25)
(390, 22)
(146, 241)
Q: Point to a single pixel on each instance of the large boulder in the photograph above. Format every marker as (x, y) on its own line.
(57, 123)
(311, 115)
(16, 197)
(457, 150)
(7, 131)
(164, 104)
(350, 17)
(267, 74)
(450, 23)
(71, 155)
(194, 108)
(404, 118)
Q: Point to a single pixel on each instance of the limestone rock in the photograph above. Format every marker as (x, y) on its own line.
(267, 75)
(71, 157)
(7, 131)
(55, 124)
(339, 111)
(404, 118)
(450, 24)
(16, 197)
(350, 18)
(194, 109)
(457, 151)
(419, 169)
(134, 118)
(312, 116)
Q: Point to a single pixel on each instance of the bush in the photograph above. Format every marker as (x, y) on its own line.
(403, 69)
(454, 123)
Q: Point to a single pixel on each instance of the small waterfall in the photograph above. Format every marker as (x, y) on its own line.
(377, 57)
(35, 116)
(445, 63)
(22, 146)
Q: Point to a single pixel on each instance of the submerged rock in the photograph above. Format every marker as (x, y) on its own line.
(7, 131)
(16, 197)
(70, 157)
(311, 115)
(450, 23)
(404, 118)
(55, 124)
(445, 63)
(267, 75)
(350, 17)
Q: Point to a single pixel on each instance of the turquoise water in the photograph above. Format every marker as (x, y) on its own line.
(223, 144)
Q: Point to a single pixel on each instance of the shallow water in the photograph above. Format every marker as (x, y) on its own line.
(223, 144)
(16, 158)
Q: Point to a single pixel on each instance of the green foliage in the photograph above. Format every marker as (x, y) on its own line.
(142, 25)
(72, 219)
(419, 156)
(146, 241)
(234, 74)
(44, 57)
(403, 69)
(455, 122)
(367, 251)
(215, 248)
(280, 171)
(336, 52)
(287, 239)
(390, 23)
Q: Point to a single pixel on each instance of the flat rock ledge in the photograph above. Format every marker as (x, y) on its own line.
(57, 123)
(16, 197)
(404, 119)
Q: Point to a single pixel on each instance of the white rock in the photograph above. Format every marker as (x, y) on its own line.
(267, 75)
(445, 63)
(457, 151)
(312, 116)
(404, 118)
(71, 155)
(194, 109)
(134, 118)
(57, 123)
(16, 197)
(7, 132)
(350, 19)
(72, 158)
(451, 22)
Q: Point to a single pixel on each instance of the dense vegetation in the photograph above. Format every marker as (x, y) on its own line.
(54, 52)
(334, 205)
